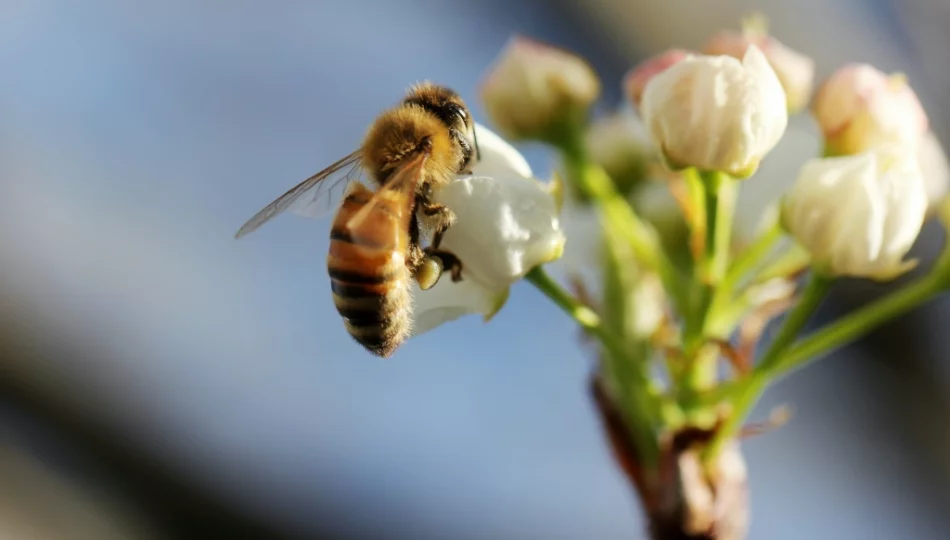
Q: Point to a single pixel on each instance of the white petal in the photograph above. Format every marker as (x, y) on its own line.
(715, 113)
(447, 301)
(497, 157)
(858, 215)
(506, 226)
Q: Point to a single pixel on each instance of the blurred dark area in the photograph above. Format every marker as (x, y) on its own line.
(159, 380)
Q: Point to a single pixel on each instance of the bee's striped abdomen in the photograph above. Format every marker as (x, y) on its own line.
(368, 273)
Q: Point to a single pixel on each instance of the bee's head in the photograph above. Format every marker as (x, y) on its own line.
(444, 103)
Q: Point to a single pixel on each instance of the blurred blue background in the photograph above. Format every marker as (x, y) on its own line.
(159, 378)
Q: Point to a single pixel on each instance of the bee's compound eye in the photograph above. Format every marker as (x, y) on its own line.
(429, 272)
(455, 110)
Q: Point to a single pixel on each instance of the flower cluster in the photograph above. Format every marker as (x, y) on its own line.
(642, 209)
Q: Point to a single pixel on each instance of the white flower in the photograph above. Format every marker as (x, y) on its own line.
(795, 70)
(716, 113)
(858, 215)
(533, 88)
(859, 107)
(507, 224)
(936, 170)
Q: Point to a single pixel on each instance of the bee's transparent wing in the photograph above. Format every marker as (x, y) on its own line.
(396, 196)
(314, 197)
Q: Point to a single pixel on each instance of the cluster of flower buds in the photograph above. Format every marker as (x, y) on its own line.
(860, 208)
(694, 128)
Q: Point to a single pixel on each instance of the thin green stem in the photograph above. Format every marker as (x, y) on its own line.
(597, 186)
(719, 207)
(854, 325)
(721, 320)
(811, 298)
(720, 192)
(752, 256)
(792, 261)
(639, 406)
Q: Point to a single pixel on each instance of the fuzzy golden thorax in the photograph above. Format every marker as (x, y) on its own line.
(399, 133)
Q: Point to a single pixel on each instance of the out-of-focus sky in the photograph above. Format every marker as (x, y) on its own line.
(135, 139)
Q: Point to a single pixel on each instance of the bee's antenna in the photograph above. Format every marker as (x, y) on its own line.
(478, 153)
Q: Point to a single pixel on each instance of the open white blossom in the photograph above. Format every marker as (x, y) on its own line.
(507, 225)
(858, 215)
(716, 113)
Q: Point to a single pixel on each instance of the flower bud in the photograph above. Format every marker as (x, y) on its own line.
(533, 91)
(936, 170)
(716, 113)
(859, 107)
(858, 215)
(637, 78)
(621, 144)
(795, 71)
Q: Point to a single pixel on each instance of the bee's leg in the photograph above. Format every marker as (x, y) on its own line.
(415, 253)
(442, 217)
(449, 261)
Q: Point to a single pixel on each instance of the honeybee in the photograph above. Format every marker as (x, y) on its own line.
(409, 152)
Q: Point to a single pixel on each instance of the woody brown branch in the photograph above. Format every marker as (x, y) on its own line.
(682, 497)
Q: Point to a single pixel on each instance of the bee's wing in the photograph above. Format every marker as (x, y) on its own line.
(313, 197)
(396, 194)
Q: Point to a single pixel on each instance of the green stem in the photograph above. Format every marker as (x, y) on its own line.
(639, 407)
(720, 208)
(871, 316)
(811, 298)
(597, 186)
(752, 256)
(855, 325)
(721, 320)
(792, 261)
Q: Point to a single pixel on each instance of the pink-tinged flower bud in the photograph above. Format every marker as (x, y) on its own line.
(859, 107)
(533, 90)
(637, 78)
(795, 71)
(716, 113)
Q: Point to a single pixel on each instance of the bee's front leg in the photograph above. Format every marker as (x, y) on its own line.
(441, 217)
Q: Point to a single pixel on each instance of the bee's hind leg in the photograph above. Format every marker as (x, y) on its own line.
(449, 261)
